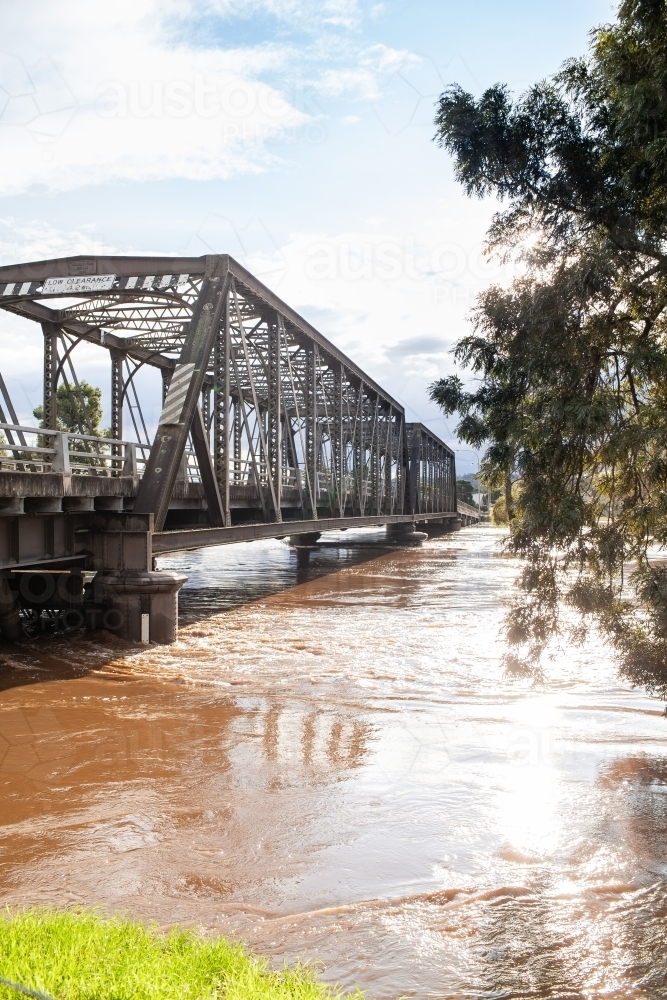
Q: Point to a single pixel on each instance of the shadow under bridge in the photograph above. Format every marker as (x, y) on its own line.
(266, 430)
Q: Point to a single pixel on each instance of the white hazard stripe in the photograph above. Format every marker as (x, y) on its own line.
(20, 288)
(178, 390)
(152, 281)
(95, 283)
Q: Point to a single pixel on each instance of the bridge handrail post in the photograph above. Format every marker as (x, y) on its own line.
(130, 463)
(60, 461)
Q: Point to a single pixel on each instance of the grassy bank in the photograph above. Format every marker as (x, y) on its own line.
(82, 956)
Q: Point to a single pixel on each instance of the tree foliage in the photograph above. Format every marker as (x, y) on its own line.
(571, 360)
(77, 412)
(464, 492)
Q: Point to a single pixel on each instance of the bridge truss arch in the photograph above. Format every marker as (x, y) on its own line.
(266, 429)
(275, 422)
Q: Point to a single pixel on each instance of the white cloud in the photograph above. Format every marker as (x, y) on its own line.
(26, 241)
(311, 13)
(127, 91)
(383, 59)
(365, 80)
(361, 83)
(109, 96)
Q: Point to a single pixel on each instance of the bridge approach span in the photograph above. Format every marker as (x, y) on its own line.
(266, 430)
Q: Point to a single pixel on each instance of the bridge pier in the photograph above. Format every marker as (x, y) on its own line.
(441, 527)
(404, 533)
(10, 620)
(304, 543)
(139, 606)
(307, 539)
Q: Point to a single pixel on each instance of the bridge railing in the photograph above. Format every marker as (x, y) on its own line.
(242, 473)
(39, 449)
(464, 508)
(32, 449)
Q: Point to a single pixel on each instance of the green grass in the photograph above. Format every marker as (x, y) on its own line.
(79, 955)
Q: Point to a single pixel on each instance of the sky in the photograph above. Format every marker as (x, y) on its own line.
(295, 135)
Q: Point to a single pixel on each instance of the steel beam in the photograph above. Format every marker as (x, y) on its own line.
(51, 335)
(274, 413)
(84, 266)
(200, 443)
(182, 399)
(221, 403)
(117, 387)
(194, 538)
(338, 442)
(39, 313)
(312, 444)
(388, 464)
(237, 439)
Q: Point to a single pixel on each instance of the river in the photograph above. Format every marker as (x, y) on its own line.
(329, 764)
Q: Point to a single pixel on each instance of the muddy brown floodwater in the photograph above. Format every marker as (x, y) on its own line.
(329, 764)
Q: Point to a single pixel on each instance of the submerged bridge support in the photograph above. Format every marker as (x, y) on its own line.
(266, 430)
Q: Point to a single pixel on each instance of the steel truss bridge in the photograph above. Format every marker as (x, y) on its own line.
(266, 430)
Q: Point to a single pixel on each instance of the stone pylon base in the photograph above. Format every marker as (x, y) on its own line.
(434, 528)
(142, 606)
(307, 539)
(10, 620)
(404, 533)
(304, 543)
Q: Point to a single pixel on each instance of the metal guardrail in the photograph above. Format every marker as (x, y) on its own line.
(72, 453)
(68, 452)
(464, 508)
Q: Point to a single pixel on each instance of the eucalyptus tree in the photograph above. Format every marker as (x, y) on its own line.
(570, 362)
